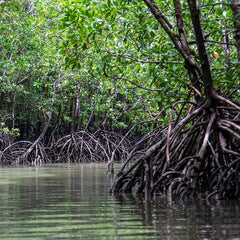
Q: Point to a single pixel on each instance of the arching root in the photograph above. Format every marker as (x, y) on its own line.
(24, 153)
(197, 154)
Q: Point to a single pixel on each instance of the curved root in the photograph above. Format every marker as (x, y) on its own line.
(198, 154)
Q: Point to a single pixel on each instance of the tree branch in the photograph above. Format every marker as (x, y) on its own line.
(205, 66)
(159, 17)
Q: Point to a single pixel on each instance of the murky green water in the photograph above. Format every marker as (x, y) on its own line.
(72, 202)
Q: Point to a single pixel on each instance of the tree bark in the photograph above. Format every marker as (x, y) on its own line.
(184, 43)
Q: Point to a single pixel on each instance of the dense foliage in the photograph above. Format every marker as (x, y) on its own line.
(120, 66)
(36, 37)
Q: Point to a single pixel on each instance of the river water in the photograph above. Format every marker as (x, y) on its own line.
(73, 202)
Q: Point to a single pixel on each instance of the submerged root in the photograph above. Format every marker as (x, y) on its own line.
(197, 154)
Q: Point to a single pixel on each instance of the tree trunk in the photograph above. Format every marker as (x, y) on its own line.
(184, 43)
(39, 139)
(77, 108)
(179, 42)
(199, 153)
(205, 65)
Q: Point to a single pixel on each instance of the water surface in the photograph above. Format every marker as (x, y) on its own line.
(73, 202)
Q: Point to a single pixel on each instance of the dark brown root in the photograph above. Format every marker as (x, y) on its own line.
(198, 154)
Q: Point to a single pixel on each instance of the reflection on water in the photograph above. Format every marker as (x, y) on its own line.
(72, 202)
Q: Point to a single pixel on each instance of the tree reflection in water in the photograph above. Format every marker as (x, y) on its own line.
(189, 220)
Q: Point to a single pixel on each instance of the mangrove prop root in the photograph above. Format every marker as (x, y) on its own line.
(199, 154)
(24, 153)
(81, 146)
(84, 146)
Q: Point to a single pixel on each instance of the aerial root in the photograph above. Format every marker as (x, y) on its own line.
(200, 154)
(81, 146)
(24, 153)
(84, 146)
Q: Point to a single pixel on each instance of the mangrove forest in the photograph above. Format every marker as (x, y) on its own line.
(153, 85)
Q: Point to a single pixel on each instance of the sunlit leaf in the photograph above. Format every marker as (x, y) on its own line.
(216, 54)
